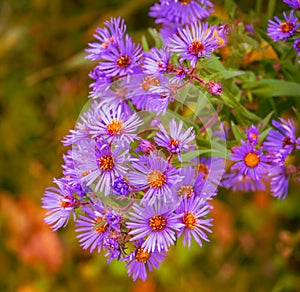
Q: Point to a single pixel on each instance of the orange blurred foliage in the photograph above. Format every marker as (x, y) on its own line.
(28, 236)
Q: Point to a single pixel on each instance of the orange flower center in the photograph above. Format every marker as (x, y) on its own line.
(157, 223)
(196, 47)
(185, 2)
(115, 127)
(123, 61)
(286, 26)
(150, 81)
(203, 168)
(65, 204)
(185, 191)
(106, 162)
(156, 179)
(100, 225)
(141, 255)
(251, 159)
(173, 143)
(254, 136)
(189, 220)
(286, 141)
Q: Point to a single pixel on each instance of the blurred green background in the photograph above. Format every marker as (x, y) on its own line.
(255, 245)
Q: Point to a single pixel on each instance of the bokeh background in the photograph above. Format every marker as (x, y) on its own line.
(255, 245)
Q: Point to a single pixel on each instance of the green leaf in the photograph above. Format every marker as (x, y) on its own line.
(156, 36)
(273, 87)
(145, 44)
(236, 132)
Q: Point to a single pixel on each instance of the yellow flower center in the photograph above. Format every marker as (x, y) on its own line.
(106, 162)
(123, 61)
(157, 223)
(115, 127)
(150, 81)
(141, 255)
(185, 191)
(156, 179)
(196, 47)
(251, 159)
(100, 225)
(286, 26)
(189, 220)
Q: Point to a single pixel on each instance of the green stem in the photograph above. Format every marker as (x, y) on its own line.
(258, 6)
(271, 8)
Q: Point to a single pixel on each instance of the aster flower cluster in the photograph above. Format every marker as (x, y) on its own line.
(257, 163)
(287, 29)
(133, 180)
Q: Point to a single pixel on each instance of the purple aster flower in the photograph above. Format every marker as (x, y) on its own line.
(279, 181)
(122, 59)
(241, 182)
(145, 147)
(140, 260)
(282, 30)
(178, 140)
(102, 82)
(295, 4)
(296, 46)
(181, 12)
(112, 247)
(157, 223)
(121, 187)
(81, 131)
(155, 175)
(100, 164)
(149, 92)
(214, 87)
(92, 227)
(283, 139)
(107, 37)
(114, 126)
(157, 61)
(167, 31)
(60, 203)
(211, 169)
(191, 184)
(193, 42)
(194, 211)
(249, 161)
(113, 219)
(252, 135)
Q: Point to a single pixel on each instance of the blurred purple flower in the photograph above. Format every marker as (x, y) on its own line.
(295, 4)
(282, 30)
(283, 139)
